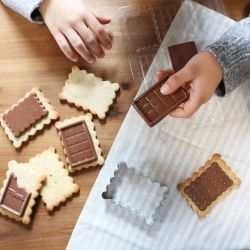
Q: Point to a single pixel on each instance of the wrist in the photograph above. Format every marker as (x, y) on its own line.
(218, 70)
(218, 73)
(43, 7)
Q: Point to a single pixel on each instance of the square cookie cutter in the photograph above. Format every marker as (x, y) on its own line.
(136, 193)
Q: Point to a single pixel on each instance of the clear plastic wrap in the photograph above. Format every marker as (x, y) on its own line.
(150, 44)
(152, 23)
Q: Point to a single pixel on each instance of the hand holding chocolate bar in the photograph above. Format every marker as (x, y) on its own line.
(154, 105)
(196, 79)
(201, 75)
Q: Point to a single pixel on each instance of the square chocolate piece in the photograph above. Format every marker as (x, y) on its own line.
(78, 143)
(154, 106)
(209, 185)
(25, 114)
(14, 199)
(180, 54)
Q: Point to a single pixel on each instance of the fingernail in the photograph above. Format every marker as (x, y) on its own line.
(104, 17)
(74, 59)
(109, 46)
(91, 60)
(165, 89)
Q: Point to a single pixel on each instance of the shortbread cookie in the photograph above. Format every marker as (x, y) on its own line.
(209, 185)
(81, 145)
(20, 188)
(89, 92)
(59, 185)
(28, 116)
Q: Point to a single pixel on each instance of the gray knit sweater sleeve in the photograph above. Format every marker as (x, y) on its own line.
(27, 8)
(232, 51)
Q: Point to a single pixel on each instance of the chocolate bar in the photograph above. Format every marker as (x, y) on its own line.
(78, 143)
(152, 105)
(14, 199)
(180, 54)
(25, 114)
(208, 186)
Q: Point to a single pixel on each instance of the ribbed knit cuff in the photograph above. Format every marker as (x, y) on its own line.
(27, 8)
(232, 51)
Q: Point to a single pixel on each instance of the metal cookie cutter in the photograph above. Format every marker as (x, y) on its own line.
(138, 194)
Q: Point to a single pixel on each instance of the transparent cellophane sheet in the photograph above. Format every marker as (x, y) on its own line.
(145, 28)
(150, 39)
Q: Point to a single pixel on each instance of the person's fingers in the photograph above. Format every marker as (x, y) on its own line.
(187, 109)
(77, 43)
(65, 47)
(90, 41)
(163, 73)
(176, 80)
(97, 28)
(101, 19)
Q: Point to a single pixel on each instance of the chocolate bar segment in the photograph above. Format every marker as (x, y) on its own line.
(14, 199)
(153, 106)
(25, 115)
(180, 54)
(78, 143)
(208, 186)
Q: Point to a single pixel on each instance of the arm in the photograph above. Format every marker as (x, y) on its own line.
(27, 8)
(232, 51)
(221, 68)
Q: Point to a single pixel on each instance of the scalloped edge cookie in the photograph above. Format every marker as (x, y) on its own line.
(59, 185)
(52, 115)
(89, 92)
(222, 164)
(91, 126)
(27, 178)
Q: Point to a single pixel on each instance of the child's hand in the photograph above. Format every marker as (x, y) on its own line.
(201, 75)
(77, 29)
